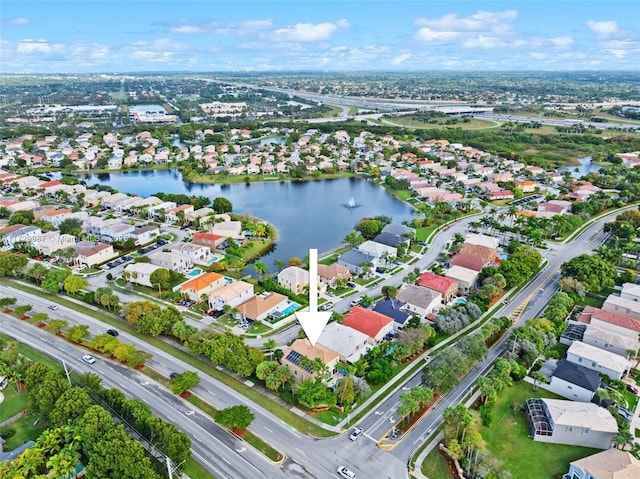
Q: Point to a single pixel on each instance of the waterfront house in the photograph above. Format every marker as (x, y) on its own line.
(229, 229)
(355, 259)
(329, 274)
(294, 278)
(210, 240)
(198, 254)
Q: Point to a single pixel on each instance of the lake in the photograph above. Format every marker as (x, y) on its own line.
(310, 214)
(584, 169)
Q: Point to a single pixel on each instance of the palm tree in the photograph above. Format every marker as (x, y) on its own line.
(260, 268)
(366, 267)
(278, 263)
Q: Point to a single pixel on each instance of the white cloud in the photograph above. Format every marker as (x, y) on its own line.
(620, 54)
(307, 32)
(451, 26)
(562, 42)
(187, 30)
(31, 46)
(18, 21)
(603, 29)
(401, 58)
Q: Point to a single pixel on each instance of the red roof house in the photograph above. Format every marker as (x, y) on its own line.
(613, 322)
(371, 323)
(445, 286)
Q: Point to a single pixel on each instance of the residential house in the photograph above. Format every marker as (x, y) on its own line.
(174, 262)
(400, 230)
(229, 229)
(172, 215)
(482, 240)
(526, 186)
(292, 358)
(27, 205)
(198, 254)
(202, 285)
(616, 323)
(420, 301)
(568, 422)
(574, 382)
(231, 294)
(391, 240)
(609, 341)
(501, 195)
(620, 305)
(26, 234)
(466, 278)
(604, 362)
(475, 257)
(210, 240)
(159, 210)
(447, 287)
(294, 278)
(630, 291)
(144, 234)
(394, 309)
(88, 253)
(329, 274)
(378, 250)
(375, 325)
(140, 273)
(51, 241)
(259, 307)
(557, 207)
(349, 343)
(355, 259)
(609, 464)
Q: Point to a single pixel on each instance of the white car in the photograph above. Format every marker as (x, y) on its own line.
(53, 307)
(87, 358)
(346, 473)
(357, 432)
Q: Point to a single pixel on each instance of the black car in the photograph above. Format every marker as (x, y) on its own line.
(173, 375)
(112, 332)
(162, 242)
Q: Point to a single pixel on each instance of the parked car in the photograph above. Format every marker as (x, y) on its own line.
(351, 284)
(357, 432)
(87, 358)
(632, 389)
(326, 306)
(356, 302)
(112, 332)
(346, 473)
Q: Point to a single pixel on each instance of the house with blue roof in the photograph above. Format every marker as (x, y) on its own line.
(392, 308)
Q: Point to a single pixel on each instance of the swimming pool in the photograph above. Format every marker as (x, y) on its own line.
(290, 309)
(503, 256)
(209, 262)
(194, 273)
(228, 280)
(461, 301)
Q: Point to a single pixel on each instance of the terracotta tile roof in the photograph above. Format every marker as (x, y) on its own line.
(484, 252)
(332, 271)
(208, 236)
(303, 347)
(366, 321)
(49, 184)
(200, 282)
(620, 320)
(435, 282)
(468, 261)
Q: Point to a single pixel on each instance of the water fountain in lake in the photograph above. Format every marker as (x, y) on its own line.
(351, 204)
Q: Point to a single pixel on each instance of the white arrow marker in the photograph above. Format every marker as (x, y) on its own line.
(313, 321)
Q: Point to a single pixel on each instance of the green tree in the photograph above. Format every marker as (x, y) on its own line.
(21, 217)
(11, 264)
(70, 406)
(260, 268)
(238, 418)
(592, 271)
(369, 228)
(345, 392)
(161, 278)
(137, 309)
(56, 325)
(222, 205)
(184, 381)
(37, 272)
(78, 332)
(71, 226)
(74, 284)
(22, 310)
(389, 291)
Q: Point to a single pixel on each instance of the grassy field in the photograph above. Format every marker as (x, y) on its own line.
(473, 124)
(25, 431)
(435, 466)
(14, 402)
(508, 439)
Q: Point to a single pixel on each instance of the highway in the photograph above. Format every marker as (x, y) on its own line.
(307, 457)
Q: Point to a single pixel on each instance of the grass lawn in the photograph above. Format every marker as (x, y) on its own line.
(508, 439)
(25, 431)
(594, 301)
(258, 327)
(193, 469)
(435, 466)
(14, 402)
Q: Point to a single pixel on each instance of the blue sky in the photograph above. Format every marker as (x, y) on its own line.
(330, 35)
